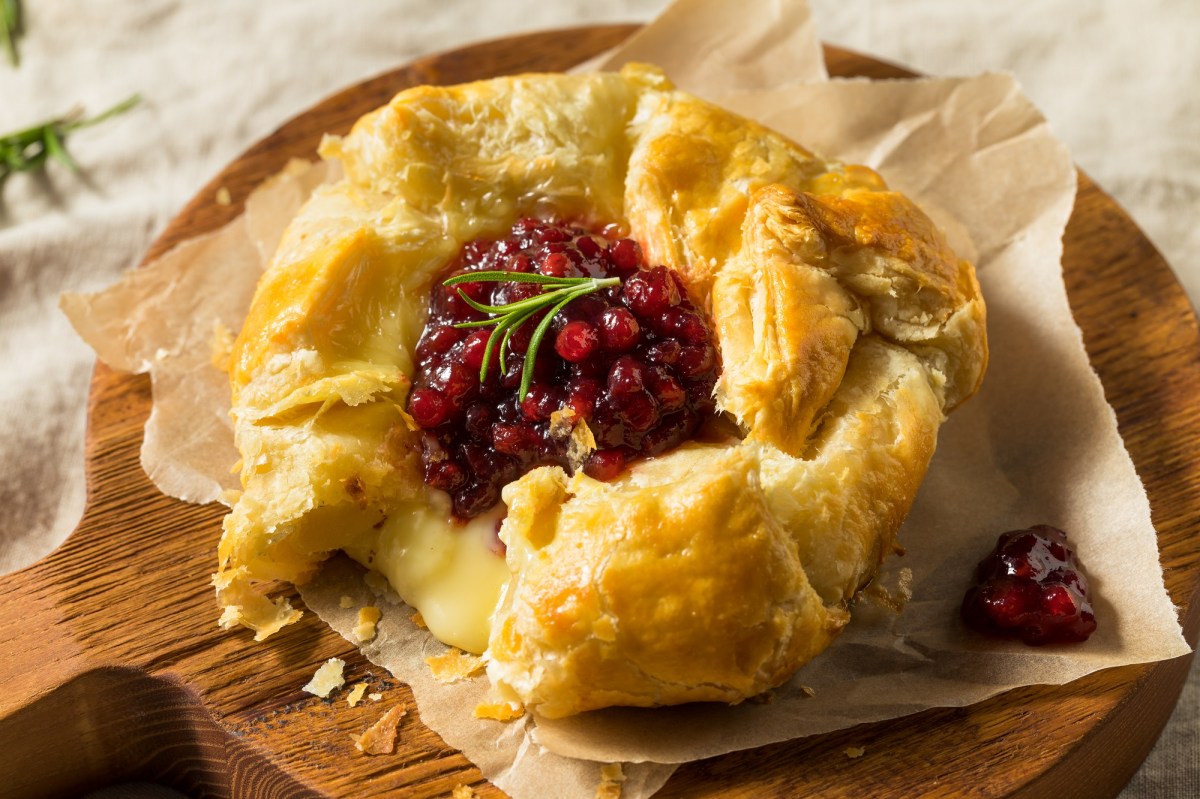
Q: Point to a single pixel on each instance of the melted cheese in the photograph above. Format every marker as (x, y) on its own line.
(450, 573)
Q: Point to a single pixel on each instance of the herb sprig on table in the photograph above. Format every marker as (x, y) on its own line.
(10, 29)
(29, 149)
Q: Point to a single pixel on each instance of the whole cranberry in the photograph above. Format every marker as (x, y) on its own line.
(475, 346)
(619, 329)
(625, 255)
(651, 293)
(666, 390)
(540, 401)
(637, 410)
(446, 475)
(478, 421)
(664, 352)
(626, 376)
(456, 381)
(515, 439)
(557, 264)
(577, 341)
(604, 464)
(582, 395)
(429, 407)
(438, 341)
(588, 246)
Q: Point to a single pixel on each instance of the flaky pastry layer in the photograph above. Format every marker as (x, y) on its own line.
(847, 329)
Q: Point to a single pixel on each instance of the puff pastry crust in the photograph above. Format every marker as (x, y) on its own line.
(847, 327)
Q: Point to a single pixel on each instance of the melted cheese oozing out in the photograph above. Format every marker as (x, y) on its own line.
(450, 573)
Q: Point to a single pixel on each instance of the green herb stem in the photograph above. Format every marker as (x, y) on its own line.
(10, 28)
(557, 293)
(28, 150)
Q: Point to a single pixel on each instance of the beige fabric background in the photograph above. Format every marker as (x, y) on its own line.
(1115, 78)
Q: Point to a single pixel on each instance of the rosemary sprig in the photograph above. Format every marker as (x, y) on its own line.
(557, 293)
(10, 29)
(29, 149)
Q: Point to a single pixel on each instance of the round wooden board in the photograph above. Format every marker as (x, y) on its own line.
(114, 669)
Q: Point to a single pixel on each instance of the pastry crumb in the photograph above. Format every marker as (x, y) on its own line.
(346, 602)
(499, 711)
(581, 445)
(562, 422)
(854, 751)
(223, 196)
(581, 442)
(807, 691)
(380, 738)
(454, 666)
(327, 679)
(374, 697)
(612, 777)
(356, 694)
(419, 620)
(463, 792)
(365, 630)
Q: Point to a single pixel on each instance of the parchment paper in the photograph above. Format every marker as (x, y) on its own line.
(1037, 445)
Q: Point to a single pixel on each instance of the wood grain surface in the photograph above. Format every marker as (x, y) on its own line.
(112, 667)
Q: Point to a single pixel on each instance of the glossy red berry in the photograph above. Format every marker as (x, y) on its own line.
(1031, 586)
(475, 346)
(619, 329)
(651, 293)
(429, 407)
(589, 247)
(438, 341)
(604, 464)
(582, 396)
(557, 264)
(625, 255)
(577, 341)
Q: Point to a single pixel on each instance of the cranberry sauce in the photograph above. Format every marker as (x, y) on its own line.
(636, 361)
(1031, 586)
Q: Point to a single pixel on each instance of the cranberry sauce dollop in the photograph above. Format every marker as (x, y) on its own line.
(1031, 586)
(636, 361)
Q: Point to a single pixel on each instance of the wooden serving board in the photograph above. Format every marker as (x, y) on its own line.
(112, 667)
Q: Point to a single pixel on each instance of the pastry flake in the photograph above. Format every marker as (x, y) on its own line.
(454, 666)
(327, 679)
(356, 694)
(380, 738)
(368, 618)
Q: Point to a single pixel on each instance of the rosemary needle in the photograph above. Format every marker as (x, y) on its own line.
(28, 150)
(10, 29)
(557, 292)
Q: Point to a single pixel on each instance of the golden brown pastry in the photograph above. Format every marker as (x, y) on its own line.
(846, 325)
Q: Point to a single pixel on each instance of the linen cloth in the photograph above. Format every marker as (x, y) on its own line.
(1114, 78)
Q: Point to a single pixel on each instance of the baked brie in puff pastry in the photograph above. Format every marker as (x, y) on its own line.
(846, 329)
